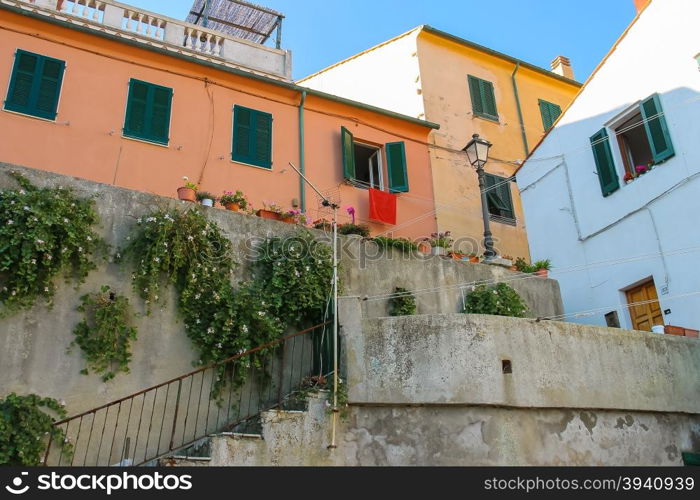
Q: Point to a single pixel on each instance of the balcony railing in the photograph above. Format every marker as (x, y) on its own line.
(156, 30)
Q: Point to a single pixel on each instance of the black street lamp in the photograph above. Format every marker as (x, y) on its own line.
(478, 154)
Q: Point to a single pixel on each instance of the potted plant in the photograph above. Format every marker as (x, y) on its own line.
(542, 268)
(440, 243)
(188, 192)
(270, 211)
(473, 258)
(322, 224)
(629, 177)
(424, 246)
(290, 216)
(205, 198)
(234, 201)
(522, 266)
(350, 228)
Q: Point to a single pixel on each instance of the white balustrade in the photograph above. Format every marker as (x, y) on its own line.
(93, 10)
(144, 24)
(205, 42)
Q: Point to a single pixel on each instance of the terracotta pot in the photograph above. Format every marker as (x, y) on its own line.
(474, 260)
(457, 255)
(233, 207)
(267, 214)
(693, 334)
(542, 273)
(424, 247)
(288, 220)
(513, 268)
(674, 330)
(187, 194)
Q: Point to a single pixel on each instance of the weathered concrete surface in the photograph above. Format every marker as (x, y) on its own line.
(459, 435)
(33, 343)
(457, 359)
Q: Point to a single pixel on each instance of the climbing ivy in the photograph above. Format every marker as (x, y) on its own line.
(296, 277)
(43, 232)
(105, 333)
(499, 300)
(25, 428)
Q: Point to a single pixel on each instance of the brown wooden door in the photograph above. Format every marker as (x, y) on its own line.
(644, 316)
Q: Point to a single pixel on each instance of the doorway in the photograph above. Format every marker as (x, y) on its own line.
(648, 313)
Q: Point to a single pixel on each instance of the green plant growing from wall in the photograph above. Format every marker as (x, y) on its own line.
(403, 303)
(403, 244)
(44, 232)
(25, 427)
(499, 300)
(105, 333)
(295, 276)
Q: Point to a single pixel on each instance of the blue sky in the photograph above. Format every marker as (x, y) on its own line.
(322, 32)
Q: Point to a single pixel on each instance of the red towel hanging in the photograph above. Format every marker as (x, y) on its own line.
(382, 206)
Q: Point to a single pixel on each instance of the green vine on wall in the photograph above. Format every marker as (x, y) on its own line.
(403, 303)
(499, 300)
(25, 428)
(105, 333)
(43, 232)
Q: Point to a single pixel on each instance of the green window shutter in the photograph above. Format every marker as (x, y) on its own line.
(348, 148)
(550, 112)
(148, 112)
(609, 182)
(656, 129)
(160, 113)
(35, 85)
(396, 167)
(252, 137)
(483, 98)
(498, 196)
(263, 140)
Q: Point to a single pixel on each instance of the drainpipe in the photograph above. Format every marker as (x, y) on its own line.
(302, 169)
(520, 111)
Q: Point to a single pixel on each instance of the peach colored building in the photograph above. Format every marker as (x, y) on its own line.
(103, 91)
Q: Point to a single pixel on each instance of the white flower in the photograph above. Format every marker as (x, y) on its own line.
(219, 345)
(80, 249)
(40, 242)
(145, 290)
(198, 321)
(64, 250)
(244, 328)
(197, 296)
(89, 238)
(261, 313)
(33, 261)
(156, 259)
(139, 221)
(65, 220)
(26, 207)
(190, 237)
(46, 288)
(21, 191)
(49, 257)
(165, 244)
(12, 202)
(210, 330)
(155, 297)
(10, 222)
(14, 292)
(307, 268)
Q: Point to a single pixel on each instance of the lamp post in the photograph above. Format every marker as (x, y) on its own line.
(478, 154)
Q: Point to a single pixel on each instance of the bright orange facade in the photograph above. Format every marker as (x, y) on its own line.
(86, 138)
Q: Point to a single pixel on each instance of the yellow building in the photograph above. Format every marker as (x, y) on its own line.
(467, 89)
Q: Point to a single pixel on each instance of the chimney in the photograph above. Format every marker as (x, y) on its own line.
(562, 66)
(640, 4)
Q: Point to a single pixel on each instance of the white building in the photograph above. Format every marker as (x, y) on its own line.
(615, 241)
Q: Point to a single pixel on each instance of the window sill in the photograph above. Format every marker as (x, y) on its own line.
(146, 141)
(251, 165)
(19, 113)
(490, 118)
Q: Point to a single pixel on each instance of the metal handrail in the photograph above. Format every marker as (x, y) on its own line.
(264, 377)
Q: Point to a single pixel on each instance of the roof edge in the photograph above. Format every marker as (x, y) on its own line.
(501, 55)
(234, 71)
(585, 84)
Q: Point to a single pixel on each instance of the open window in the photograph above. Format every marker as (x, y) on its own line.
(363, 165)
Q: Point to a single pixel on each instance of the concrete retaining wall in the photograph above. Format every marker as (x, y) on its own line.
(33, 343)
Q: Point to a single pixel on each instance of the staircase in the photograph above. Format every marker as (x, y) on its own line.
(177, 416)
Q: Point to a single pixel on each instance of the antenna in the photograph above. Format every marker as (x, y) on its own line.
(328, 203)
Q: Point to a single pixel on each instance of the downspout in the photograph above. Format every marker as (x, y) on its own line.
(302, 169)
(520, 111)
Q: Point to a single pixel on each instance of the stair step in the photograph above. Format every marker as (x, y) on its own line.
(190, 459)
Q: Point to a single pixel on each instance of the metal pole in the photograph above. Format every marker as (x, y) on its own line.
(333, 444)
(489, 252)
(278, 42)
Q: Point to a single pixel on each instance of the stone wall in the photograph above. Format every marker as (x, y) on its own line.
(33, 343)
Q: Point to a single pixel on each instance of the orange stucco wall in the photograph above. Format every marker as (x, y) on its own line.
(448, 102)
(86, 138)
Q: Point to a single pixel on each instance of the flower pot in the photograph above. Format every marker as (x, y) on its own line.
(186, 194)
(438, 251)
(542, 273)
(207, 202)
(288, 220)
(474, 260)
(513, 268)
(233, 207)
(424, 247)
(267, 214)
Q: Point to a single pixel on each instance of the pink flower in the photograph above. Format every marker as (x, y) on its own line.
(351, 212)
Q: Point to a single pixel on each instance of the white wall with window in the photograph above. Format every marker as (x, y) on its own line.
(612, 194)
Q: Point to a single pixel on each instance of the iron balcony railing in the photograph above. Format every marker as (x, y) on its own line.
(176, 414)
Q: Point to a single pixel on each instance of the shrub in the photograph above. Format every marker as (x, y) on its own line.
(349, 228)
(403, 303)
(498, 300)
(403, 244)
